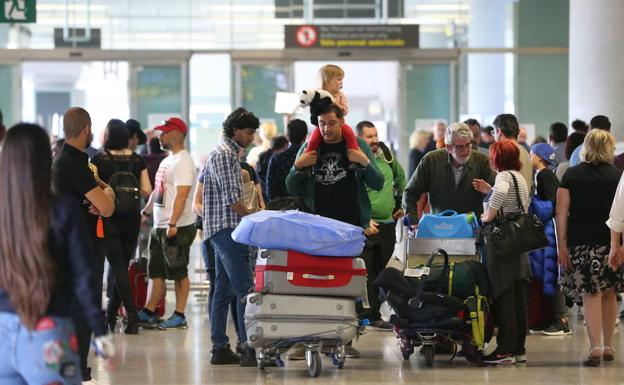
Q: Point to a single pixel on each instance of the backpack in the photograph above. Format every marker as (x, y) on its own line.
(127, 190)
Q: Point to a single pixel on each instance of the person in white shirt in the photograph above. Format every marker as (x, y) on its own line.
(174, 226)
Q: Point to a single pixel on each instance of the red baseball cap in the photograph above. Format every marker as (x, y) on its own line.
(173, 124)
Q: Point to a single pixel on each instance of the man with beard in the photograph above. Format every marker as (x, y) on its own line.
(174, 227)
(385, 211)
(446, 175)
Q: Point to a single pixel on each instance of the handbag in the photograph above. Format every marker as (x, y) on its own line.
(512, 234)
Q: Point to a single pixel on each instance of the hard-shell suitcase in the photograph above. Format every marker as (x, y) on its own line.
(137, 272)
(270, 318)
(291, 272)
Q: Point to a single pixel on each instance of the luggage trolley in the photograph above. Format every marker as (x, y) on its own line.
(271, 335)
(416, 256)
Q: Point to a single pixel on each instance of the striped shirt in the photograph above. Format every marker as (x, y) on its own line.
(223, 186)
(504, 193)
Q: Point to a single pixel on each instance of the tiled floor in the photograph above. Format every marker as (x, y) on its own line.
(183, 357)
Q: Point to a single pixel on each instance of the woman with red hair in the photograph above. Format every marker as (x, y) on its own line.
(509, 276)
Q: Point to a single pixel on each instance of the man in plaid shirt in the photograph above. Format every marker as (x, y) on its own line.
(223, 209)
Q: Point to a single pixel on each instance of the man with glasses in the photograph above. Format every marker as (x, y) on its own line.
(446, 175)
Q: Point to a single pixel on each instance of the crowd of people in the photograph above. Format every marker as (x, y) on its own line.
(69, 207)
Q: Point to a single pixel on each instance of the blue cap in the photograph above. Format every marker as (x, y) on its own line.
(544, 151)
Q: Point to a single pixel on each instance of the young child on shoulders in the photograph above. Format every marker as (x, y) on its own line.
(330, 77)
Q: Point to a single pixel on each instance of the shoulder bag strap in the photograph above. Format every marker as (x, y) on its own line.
(520, 205)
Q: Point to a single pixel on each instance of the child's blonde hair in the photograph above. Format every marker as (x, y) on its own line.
(329, 72)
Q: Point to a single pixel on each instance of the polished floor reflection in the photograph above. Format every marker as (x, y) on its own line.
(183, 357)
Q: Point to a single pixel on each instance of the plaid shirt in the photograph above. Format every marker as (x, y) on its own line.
(223, 186)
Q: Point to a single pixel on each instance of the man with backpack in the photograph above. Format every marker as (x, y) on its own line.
(386, 210)
(174, 226)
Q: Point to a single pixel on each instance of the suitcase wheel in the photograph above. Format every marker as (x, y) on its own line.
(313, 359)
(429, 354)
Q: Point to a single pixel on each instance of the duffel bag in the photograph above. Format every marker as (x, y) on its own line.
(460, 279)
(303, 232)
(447, 224)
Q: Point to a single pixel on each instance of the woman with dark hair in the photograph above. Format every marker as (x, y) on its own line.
(508, 276)
(125, 171)
(574, 140)
(46, 263)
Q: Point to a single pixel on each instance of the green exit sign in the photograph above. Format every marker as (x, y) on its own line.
(18, 11)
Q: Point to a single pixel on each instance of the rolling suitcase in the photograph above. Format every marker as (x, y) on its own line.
(137, 272)
(291, 272)
(271, 318)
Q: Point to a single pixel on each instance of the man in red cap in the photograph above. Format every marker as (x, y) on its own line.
(174, 226)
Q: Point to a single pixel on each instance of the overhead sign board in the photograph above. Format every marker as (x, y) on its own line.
(351, 36)
(18, 11)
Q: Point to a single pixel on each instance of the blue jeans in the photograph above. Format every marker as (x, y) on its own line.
(46, 355)
(232, 280)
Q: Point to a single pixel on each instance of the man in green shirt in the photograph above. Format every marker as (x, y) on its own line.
(447, 175)
(385, 211)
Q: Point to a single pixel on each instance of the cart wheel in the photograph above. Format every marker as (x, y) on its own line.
(407, 349)
(313, 359)
(429, 353)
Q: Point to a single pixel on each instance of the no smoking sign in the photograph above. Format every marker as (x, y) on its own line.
(306, 36)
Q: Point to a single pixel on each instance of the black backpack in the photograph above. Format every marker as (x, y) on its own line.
(127, 190)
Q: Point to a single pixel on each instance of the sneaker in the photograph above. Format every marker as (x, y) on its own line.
(147, 321)
(174, 322)
(500, 358)
(296, 352)
(558, 328)
(353, 352)
(248, 357)
(381, 325)
(224, 356)
(521, 357)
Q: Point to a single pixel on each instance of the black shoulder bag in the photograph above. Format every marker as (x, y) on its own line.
(512, 234)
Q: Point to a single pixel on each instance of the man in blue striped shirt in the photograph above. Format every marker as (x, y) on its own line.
(223, 209)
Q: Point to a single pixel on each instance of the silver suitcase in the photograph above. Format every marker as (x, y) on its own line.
(270, 318)
(290, 272)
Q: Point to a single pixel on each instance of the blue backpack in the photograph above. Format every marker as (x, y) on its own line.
(447, 224)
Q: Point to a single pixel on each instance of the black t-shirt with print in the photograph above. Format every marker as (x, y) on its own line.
(335, 190)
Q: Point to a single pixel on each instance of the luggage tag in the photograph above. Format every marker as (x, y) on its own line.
(417, 272)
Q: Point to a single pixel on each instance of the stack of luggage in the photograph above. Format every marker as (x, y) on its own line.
(307, 281)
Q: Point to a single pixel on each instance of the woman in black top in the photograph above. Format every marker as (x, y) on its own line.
(583, 204)
(46, 264)
(121, 168)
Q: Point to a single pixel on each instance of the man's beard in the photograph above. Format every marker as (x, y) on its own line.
(374, 146)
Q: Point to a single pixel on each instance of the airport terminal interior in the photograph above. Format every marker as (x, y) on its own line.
(406, 67)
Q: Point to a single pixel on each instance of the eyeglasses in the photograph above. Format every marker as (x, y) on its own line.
(462, 147)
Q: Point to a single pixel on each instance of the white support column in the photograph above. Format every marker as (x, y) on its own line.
(596, 59)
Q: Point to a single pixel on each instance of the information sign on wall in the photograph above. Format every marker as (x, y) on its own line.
(351, 36)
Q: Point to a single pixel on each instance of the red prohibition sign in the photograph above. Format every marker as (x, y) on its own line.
(306, 36)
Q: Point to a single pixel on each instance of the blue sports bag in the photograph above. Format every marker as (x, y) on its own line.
(299, 231)
(447, 224)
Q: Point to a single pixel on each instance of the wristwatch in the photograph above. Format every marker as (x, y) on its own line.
(171, 225)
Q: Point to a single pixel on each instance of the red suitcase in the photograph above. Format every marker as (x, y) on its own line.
(137, 272)
(291, 272)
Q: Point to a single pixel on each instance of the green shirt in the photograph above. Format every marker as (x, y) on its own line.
(383, 202)
(435, 175)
